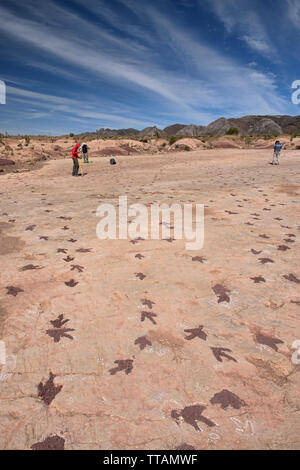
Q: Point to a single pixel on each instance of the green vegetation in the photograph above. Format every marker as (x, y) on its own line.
(293, 135)
(172, 140)
(247, 140)
(232, 131)
(27, 139)
(71, 134)
(187, 148)
(157, 134)
(275, 134)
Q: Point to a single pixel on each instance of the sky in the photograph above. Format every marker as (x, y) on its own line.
(77, 66)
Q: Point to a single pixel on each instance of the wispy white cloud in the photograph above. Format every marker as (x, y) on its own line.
(241, 18)
(82, 54)
(158, 66)
(293, 10)
(71, 108)
(229, 85)
(40, 96)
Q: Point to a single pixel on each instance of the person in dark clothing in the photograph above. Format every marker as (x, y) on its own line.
(277, 150)
(75, 156)
(84, 150)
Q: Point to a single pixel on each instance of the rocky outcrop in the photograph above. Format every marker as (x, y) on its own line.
(247, 125)
(174, 129)
(218, 127)
(264, 126)
(116, 132)
(192, 131)
(150, 131)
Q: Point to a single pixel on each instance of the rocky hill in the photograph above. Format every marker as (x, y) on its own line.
(247, 125)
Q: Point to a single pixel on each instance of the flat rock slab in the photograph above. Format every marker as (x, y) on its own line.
(145, 345)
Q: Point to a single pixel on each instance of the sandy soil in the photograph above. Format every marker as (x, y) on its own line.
(144, 345)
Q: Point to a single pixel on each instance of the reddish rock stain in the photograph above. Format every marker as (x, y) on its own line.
(48, 390)
(148, 303)
(196, 333)
(59, 321)
(265, 260)
(283, 248)
(192, 414)
(12, 290)
(268, 341)
(123, 365)
(200, 259)
(68, 259)
(258, 279)
(77, 267)
(61, 250)
(184, 446)
(141, 276)
(30, 228)
(149, 315)
(226, 398)
(30, 267)
(58, 334)
(222, 352)
(71, 283)
(292, 278)
(221, 292)
(50, 443)
(143, 342)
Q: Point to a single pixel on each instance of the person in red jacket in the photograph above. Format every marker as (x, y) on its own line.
(75, 157)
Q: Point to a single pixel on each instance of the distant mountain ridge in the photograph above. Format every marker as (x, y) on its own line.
(247, 125)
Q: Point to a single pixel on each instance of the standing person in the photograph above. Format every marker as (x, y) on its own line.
(75, 156)
(277, 149)
(84, 149)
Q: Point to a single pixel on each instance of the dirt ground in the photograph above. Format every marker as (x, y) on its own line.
(141, 344)
(18, 154)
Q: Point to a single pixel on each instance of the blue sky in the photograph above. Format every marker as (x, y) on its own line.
(74, 66)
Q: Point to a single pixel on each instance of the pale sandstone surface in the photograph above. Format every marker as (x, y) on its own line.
(256, 320)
